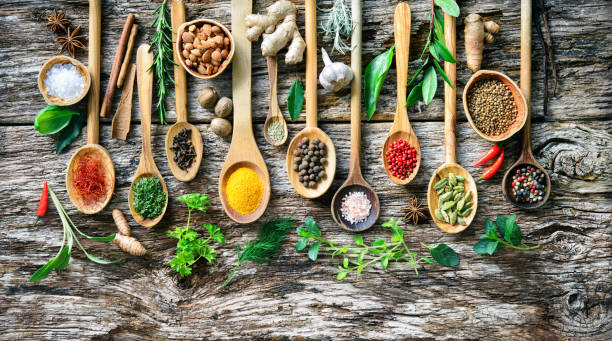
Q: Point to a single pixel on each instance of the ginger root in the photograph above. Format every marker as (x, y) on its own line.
(476, 33)
(277, 34)
(123, 239)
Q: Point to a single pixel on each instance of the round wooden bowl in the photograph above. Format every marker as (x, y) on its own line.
(519, 100)
(179, 47)
(42, 76)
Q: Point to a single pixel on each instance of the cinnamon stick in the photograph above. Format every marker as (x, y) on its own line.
(112, 82)
(128, 53)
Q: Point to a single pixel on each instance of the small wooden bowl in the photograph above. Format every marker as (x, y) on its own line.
(519, 100)
(179, 47)
(42, 76)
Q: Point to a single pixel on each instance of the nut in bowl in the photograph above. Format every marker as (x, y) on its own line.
(494, 105)
(205, 48)
(63, 81)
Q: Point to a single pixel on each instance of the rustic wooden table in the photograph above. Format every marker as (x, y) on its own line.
(560, 291)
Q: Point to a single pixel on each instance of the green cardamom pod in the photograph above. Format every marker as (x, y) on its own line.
(440, 184)
(465, 212)
(453, 218)
(458, 196)
(459, 188)
(460, 204)
(438, 214)
(460, 178)
(467, 205)
(452, 179)
(440, 191)
(440, 202)
(446, 196)
(468, 196)
(447, 205)
(445, 216)
(461, 221)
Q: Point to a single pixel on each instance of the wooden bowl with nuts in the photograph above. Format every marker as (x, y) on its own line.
(501, 119)
(205, 48)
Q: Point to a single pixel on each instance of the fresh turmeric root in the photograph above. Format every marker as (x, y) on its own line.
(123, 239)
(476, 33)
(277, 34)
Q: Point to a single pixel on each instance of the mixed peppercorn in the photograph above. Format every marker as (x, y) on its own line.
(528, 185)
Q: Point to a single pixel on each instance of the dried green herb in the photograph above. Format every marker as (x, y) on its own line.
(504, 233)
(161, 45)
(374, 77)
(266, 246)
(339, 26)
(149, 197)
(295, 101)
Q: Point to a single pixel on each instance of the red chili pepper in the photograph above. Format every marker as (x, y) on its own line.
(494, 150)
(489, 172)
(42, 205)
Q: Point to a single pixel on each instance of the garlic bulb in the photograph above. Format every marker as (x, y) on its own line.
(334, 76)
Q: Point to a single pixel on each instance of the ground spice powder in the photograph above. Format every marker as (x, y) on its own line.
(244, 190)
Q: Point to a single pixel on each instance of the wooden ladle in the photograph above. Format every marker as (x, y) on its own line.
(243, 151)
(311, 131)
(450, 121)
(146, 167)
(92, 148)
(401, 128)
(526, 158)
(274, 112)
(355, 181)
(180, 93)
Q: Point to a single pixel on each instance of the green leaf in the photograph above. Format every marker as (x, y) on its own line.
(313, 252)
(341, 275)
(374, 77)
(69, 133)
(105, 239)
(311, 226)
(481, 247)
(449, 7)
(101, 261)
(513, 233)
(345, 262)
(444, 52)
(384, 261)
(215, 233)
(430, 84)
(492, 246)
(439, 28)
(198, 201)
(439, 18)
(501, 222)
(43, 271)
(52, 119)
(444, 255)
(360, 257)
(443, 74)
(428, 260)
(418, 72)
(63, 258)
(380, 243)
(358, 239)
(415, 95)
(295, 99)
(490, 229)
(433, 52)
(301, 244)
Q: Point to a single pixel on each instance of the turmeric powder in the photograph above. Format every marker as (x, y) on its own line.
(244, 190)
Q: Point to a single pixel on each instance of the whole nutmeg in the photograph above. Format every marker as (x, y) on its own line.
(207, 97)
(220, 126)
(224, 107)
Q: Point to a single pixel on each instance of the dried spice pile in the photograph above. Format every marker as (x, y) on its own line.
(309, 161)
(491, 106)
(184, 153)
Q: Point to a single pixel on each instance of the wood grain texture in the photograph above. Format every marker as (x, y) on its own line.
(561, 291)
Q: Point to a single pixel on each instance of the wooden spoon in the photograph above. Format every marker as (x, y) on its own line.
(355, 181)
(274, 112)
(180, 93)
(92, 148)
(450, 121)
(311, 131)
(243, 151)
(146, 167)
(526, 158)
(401, 128)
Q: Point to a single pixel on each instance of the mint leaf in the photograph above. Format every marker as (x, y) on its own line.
(444, 255)
(482, 246)
(513, 233)
(301, 244)
(313, 252)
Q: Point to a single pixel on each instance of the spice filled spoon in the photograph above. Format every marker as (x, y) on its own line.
(311, 131)
(146, 167)
(401, 128)
(243, 155)
(182, 169)
(355, 183)
(275, 116)
(92, 158)
(526, 161)
(450, 158)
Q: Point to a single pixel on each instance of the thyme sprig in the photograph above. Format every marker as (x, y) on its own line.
(339, 26)
(161, 45)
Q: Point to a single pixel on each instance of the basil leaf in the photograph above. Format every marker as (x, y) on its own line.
(444, 255)
(295, 101)
(415, 95)
(430, 84)
(313, 252)
(443, 52)
(443, 74)
(69, 133)
(374, 77)
(52, 119)
(449, 7)
(44, 271)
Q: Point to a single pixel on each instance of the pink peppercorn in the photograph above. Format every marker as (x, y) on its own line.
(401, 159)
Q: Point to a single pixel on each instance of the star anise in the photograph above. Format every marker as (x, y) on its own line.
(414, 210)
(71, 41)
(57, 20)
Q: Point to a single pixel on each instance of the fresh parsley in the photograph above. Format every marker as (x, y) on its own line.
(356, 259)
(504, 233)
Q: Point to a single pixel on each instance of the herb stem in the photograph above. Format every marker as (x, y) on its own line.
(231, 275)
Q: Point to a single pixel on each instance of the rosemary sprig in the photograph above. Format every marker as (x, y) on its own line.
(339, 26)
(162, 56)
(266, 246)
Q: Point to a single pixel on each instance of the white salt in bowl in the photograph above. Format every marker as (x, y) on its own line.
(42, 77)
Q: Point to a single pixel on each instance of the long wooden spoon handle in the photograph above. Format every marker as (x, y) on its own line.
(177, 14)
(526, 68)
(93, 101)
(450, 94)
(356, 86)
(401, 30)
(241, 72)
(144, 60)
(272, 62)
(311, 63)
